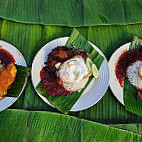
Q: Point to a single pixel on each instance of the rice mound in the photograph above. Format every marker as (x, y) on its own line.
(133, 75)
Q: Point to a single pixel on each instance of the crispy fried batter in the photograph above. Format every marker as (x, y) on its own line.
(7, 77)
(59, 54)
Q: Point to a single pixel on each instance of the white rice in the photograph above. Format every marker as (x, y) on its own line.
(133, 74)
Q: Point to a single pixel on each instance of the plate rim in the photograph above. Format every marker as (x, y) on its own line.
(24, 85)
(111, 88)
(71, 110)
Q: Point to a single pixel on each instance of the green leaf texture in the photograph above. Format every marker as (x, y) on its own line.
(72, 12)
(30, 38)
(136, 128)
(34, 126)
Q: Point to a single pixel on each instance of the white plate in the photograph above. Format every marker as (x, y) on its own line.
(114, 84)
(92, 94)
(19, 60)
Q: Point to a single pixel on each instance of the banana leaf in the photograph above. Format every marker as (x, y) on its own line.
(40, 126)
(30, 38)
(17, 85)
(72, 12)
(135, 128)
(65, 103)
(130, 93)
(95, 133)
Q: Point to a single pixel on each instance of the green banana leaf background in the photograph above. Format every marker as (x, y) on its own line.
(43, 126)
(29, 26)
(72, 12)
(30, 38)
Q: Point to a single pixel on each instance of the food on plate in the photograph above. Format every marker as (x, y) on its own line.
(74, 73)
(7, 77)
(133, 74)
(140, 71)
(129, 65)
(95, 71)
(7, 71)
(128, 59)
(66, 71)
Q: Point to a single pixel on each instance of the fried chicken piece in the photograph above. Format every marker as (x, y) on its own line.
(59, 54)
(7, 77)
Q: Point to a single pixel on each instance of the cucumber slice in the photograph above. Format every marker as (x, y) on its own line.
(95, 71)
(89, 64)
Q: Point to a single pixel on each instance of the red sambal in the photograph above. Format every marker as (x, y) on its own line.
(49, 80)
(50, 83)
(6, 57)
(124, 61)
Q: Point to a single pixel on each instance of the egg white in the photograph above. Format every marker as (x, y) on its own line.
(133, 74)
(74, 73)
